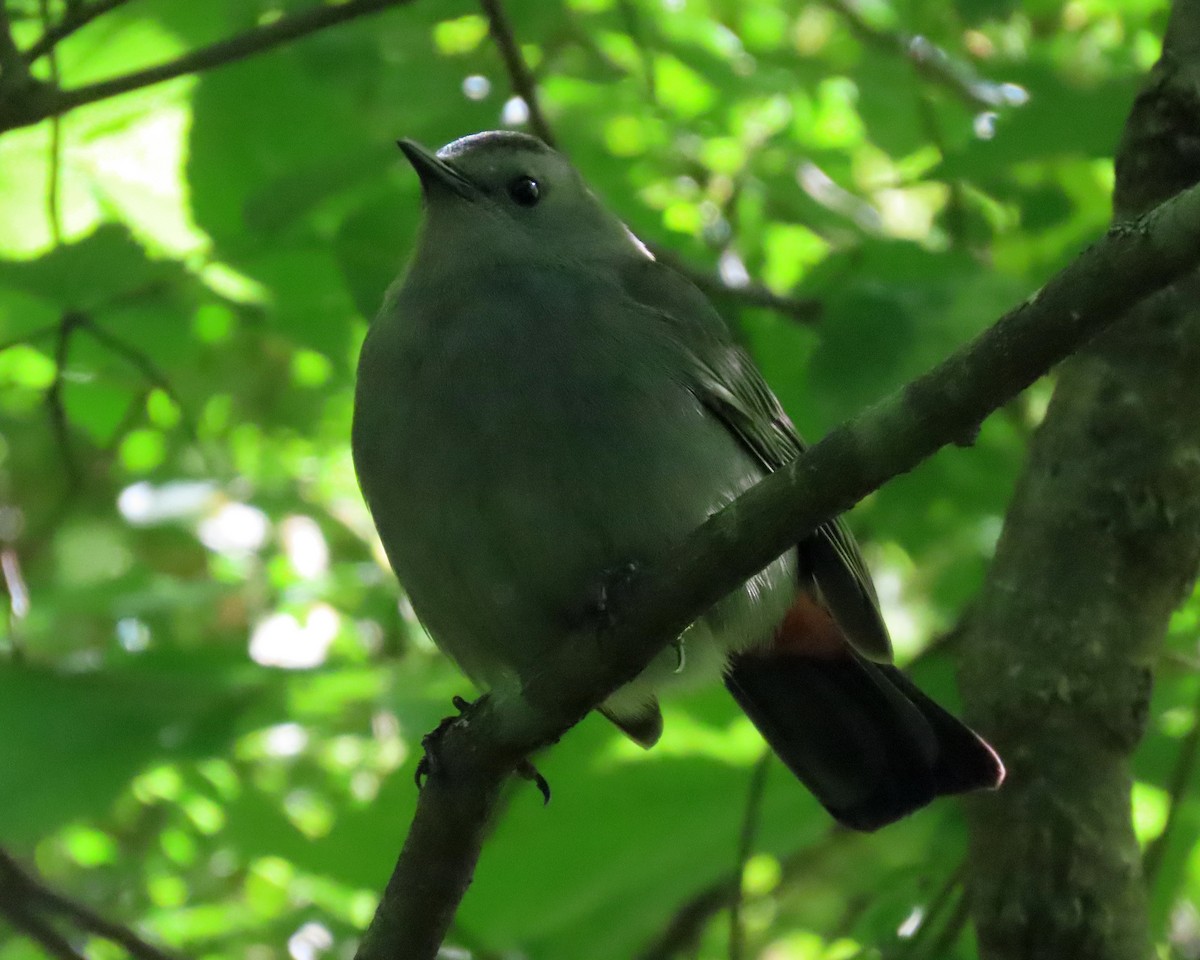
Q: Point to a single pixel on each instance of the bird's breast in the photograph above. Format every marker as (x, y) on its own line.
(514, 450)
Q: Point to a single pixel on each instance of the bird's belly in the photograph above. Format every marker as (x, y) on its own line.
(516, 488)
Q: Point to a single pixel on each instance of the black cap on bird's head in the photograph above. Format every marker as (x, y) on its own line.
(502, 189)
(434, 171)
(468, 165)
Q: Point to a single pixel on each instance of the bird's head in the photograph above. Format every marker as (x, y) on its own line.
(506, 194)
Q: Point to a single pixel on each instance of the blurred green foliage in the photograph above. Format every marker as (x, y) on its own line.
(210, 699)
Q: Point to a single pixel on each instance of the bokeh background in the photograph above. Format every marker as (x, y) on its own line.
(211, 690)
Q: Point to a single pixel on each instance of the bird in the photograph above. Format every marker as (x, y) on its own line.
(539, 402)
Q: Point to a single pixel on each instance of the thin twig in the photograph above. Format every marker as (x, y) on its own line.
(955, 216)
(635, 28)
(14, 71)
(41, 933)
(55, 165)
(749, 833)
(942, 899)
(939, 946)
(77, 16)
(23, 111)
(20, 890)
(519, 75)
(802, 309)
(931, 61)
(55, 402)
(145, 366)
(476, 755)
(87, 919)
(17, 890)
(687, 924)
(805, 310)
(41, 333)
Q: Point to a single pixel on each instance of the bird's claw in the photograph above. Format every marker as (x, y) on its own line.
(427, 766)
(680, 654)
(527, 771)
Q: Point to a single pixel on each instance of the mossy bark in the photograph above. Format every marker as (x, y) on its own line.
(1100, 545)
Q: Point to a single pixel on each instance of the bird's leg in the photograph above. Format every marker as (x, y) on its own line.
(527, 771)
(428, 764)
(680, 654)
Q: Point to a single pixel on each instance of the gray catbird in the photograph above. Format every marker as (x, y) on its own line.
(539, 403)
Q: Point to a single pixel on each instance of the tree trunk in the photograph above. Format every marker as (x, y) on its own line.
(1100, 545)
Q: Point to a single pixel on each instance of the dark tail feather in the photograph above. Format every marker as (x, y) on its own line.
(861, 736)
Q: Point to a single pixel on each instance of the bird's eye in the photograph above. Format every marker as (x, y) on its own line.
(524, 192)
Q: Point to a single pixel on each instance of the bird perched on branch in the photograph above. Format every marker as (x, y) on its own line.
(540, 402)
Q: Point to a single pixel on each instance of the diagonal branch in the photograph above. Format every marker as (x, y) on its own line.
(750, 820)
(930, 61)
(800, 309)
(519, 74)
(76, 18)
(40, 932)
(477, 753)
(803, 309)
(23, 898)
(14, 72)
(682, 935)
(145, 366)
(32, 105)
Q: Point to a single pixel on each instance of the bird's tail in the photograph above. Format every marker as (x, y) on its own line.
(860, 735)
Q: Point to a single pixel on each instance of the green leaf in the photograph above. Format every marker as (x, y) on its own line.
(73, 741)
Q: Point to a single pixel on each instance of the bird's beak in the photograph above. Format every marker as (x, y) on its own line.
(434, 172)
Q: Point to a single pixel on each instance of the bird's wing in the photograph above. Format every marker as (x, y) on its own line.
(730, 385)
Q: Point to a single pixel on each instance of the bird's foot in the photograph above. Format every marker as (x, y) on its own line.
(428, 764)
(680, 654)
(527, 771)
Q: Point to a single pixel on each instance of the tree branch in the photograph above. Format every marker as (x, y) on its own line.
(54, 167)
(33, 104)
(76, 18)
(801, 309)
(523, 84)
(682, 934)
(477, 753)
(749, 832)
(23, 898)
(59, 421)
(683, 931)
(40, 932)
(931, 61)
(14, 72)
(145, 366)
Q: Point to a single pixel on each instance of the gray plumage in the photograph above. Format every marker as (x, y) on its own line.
(539, 402)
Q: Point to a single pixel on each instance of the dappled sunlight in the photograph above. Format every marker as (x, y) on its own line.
(213, 692)
(684, 735)
(282, 640)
